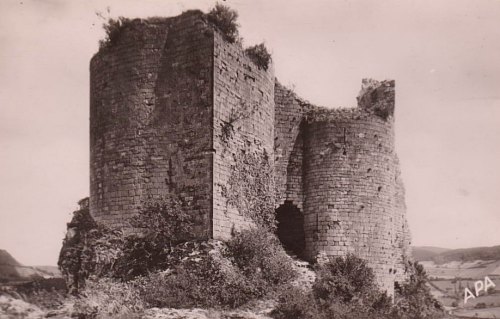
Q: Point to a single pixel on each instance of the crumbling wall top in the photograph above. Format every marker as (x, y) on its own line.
(377, 97)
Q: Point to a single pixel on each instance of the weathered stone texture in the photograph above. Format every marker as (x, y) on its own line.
(175, 109)
(349, 189)
(243, 138)
(288, 145)
(339, 167)
(150, 115)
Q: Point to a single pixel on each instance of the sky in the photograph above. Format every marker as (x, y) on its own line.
(444, 56)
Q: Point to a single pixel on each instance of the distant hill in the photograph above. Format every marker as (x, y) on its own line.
(427, 252)
(8, 267)
(468, 254)
(443, 255)
(12, 270)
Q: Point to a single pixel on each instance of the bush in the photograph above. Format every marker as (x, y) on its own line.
(413, 298)
(259, 55)
(205, 281)
(92, 249)
(224, 19)
(162, 225)
(346, 288)
(344, 279)
(165, 220)
(88, 249)
(113, 29)
(164, 269)
(251, 265)
(294, 302)
(107, 298)
(260, 256)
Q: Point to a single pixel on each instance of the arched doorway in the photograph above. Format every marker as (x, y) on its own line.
(291, 228)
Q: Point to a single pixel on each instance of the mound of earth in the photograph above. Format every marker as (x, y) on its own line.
(11, 270)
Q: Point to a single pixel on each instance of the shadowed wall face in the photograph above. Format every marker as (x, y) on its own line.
(288, 145)
(290, 229)
(150, 120)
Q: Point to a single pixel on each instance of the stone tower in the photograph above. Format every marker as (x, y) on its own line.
(176, 109)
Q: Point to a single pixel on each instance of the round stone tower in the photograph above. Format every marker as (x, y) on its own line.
(350, 190)
(150, 118)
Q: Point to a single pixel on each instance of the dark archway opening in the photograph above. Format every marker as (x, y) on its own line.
(291, 228)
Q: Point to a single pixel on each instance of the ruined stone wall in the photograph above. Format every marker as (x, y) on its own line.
(402, 233)
(243, 140)
(151, 119)
(350, 173)
(175, 109)
(288, 145)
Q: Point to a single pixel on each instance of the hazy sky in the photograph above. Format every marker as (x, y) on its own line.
(444, 56)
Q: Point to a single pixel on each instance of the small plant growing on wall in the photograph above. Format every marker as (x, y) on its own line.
(259, 55)
(113, 28)
(224, 18)
(244, 111)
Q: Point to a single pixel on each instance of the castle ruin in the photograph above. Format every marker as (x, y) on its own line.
(176, 109)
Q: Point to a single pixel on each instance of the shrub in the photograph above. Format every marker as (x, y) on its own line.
(345, 287)
(224, 19)
(294, 302)
(259, 55)
(107, 298)
(413, 298)
(344, 279)
(165, 220)
(88, 249)
(113, 29)
(260, 256)
(251, 265)
(206, 281)
(92, 249)
(161, 225)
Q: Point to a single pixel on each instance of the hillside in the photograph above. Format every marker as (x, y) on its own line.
(468, 254)
(443, 255)
(8, 267)
(7, 259)
(12, 270)
(427, 252)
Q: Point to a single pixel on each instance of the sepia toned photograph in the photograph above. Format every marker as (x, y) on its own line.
(249, 159)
